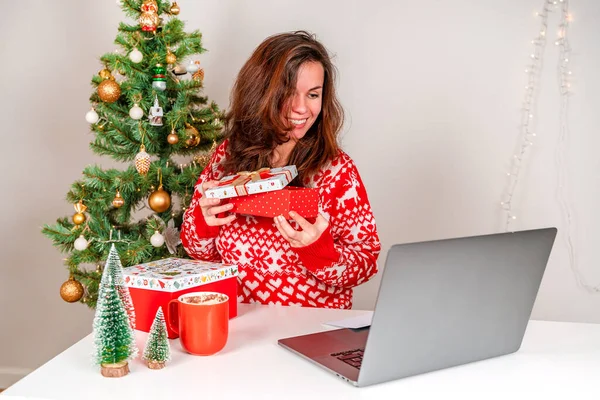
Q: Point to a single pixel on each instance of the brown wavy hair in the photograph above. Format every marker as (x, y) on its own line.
(259, 98)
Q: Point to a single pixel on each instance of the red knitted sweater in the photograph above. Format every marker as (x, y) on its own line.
(270, 270)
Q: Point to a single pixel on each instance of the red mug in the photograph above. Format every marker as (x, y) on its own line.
(201, 319)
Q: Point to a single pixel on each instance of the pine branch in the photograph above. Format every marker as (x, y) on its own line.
(61, 237)
(131, 8)
(126, 28)
(104, 149)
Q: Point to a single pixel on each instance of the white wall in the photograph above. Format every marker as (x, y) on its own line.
(432, 89)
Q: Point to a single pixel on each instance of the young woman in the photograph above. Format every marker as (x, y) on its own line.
(284, 111)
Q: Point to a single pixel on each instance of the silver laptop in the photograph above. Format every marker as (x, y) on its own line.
(441, 303)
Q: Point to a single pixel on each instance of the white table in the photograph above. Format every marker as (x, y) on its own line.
(556, 360)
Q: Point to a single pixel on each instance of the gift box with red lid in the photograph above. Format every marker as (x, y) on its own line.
(155, 283)
(304, 201)
(260, 181)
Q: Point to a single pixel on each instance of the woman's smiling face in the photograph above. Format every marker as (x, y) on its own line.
(305, 104)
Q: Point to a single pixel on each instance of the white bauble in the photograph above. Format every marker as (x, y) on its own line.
(92, 116)
(136, 112)
(157, 239)
(80, 243)
(136, 56)
(159, 85)
(192, 67)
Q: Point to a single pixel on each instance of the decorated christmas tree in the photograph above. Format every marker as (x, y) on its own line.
(114, 339)
(148, 113)
(157, 350)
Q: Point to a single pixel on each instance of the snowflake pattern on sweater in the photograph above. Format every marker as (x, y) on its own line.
(270, 270)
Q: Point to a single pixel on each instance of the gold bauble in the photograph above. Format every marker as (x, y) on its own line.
(159, 201)
(199, 75)
(71, 291)
(105, 74)
(193, 136)
(78, 218)
(118, 201)
(174, 8)
(109, 91)
(171, 58)
(173, 138)
(193, 141)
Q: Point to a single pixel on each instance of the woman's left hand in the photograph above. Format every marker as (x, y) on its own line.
(302, 238)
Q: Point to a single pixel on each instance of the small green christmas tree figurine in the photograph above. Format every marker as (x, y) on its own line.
(114, 339)
(157, 351)
(122, 289)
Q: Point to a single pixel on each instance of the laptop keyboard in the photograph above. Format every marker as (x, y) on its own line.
(351, 357)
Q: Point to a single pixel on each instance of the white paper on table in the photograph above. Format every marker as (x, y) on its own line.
(359, 321)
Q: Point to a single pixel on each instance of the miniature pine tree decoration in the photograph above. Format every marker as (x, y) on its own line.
(149, 113)
(114, 340)
(157, 351)
(122, 289)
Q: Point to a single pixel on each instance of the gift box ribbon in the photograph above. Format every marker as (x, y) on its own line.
(244, 177)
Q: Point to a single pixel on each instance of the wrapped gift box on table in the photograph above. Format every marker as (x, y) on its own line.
(155, 283)
(304, 201)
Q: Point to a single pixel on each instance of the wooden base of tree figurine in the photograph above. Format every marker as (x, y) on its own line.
(114, 339)
(115, 370)
(157, 351)
(155, 364)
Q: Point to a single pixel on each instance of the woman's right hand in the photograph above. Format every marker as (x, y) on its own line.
(212, 207)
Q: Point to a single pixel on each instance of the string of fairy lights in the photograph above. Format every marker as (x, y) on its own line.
(564, 76)
(527, 127)
(528, 122)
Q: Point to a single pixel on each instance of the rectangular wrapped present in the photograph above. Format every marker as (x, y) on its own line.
(155, 283)
(305, 201)
(260, 181)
